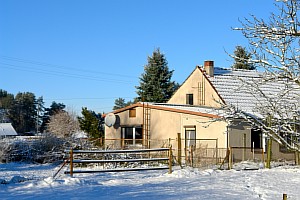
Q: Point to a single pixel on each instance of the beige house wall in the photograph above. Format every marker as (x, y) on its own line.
(165, 125)
(113, 134)
(200, 87)
(240, 135)
(278, 155)
(206, 129)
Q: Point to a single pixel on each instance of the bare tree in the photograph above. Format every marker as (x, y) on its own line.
(63, 124)
(274, 46)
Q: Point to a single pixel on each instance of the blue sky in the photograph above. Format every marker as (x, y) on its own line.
(88, 53)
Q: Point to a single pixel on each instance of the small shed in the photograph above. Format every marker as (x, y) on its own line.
(6, 129)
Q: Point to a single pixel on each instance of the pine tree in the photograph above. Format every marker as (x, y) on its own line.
(6, 99)
(6, 102)
(155, 82)
(91, 123)
(241, 58)
(120, 103)
(23, 112)
(40, 109)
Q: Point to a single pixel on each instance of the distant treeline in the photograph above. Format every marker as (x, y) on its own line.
(26, 112)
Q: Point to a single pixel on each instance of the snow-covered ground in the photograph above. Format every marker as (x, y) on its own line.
(29, 181)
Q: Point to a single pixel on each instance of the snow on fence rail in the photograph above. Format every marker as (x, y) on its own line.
(106, 154)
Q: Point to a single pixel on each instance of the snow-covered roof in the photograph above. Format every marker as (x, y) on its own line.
(6, 129)
(238, 88)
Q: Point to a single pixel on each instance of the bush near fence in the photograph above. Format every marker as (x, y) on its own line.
(38, 149)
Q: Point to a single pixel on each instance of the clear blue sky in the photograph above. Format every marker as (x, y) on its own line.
(87, 53)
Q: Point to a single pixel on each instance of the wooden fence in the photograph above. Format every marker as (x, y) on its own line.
(200, 153)
(109, 156)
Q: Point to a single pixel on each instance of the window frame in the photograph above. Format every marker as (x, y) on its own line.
(132, 113)
(190, 99)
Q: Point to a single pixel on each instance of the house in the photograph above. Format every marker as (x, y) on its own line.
(6, 130)
(195, 113)
(163, 121)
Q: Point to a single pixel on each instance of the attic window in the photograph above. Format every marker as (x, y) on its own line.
(132, 113)
(189, 99)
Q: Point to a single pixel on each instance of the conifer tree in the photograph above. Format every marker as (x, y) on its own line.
(6, 103)
(120, 103)
(155, 82)
(23, 112)
(91, 123)
(242, 58)
(6, 99)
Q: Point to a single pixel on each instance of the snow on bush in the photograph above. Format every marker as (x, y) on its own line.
(47, 148)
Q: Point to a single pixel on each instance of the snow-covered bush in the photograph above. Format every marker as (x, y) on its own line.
(47, 148)
(44, 149)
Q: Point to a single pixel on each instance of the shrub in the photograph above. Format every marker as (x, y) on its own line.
(44, 149)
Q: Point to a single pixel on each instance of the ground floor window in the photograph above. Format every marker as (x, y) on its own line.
(132, 135)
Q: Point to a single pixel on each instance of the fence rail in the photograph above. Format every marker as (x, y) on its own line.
(109, 154)
(187, 152)
(117, 151)
(202, 153)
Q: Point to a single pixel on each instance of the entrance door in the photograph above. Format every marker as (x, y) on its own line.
(190, 137)
(256, 138)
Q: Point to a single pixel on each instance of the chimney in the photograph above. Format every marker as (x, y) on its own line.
(209, 67)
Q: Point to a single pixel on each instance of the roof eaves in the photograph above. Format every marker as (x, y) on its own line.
(157, 107)
(184, 111)
(127, 108)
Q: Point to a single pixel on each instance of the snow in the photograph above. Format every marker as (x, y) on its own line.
(29, 181)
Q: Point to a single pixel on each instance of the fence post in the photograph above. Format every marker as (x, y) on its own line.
(263, 156)
(253, 153)
(217, 154)
(284, 196)
(179, 148)
(269, 153)
(244, 146)
(230, 158)
(296, 158)
(170, 159)
(122, 143)
(192, 156)
(71, 162)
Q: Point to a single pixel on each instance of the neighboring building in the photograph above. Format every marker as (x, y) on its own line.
(195, 112)
(6, 130)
